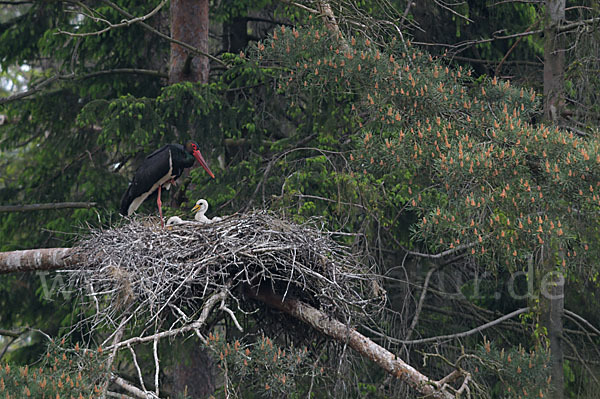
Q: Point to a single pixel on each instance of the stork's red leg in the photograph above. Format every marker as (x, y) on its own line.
(162, 222)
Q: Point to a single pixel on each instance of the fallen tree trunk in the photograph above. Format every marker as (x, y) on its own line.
(37, 260)
(363, 345)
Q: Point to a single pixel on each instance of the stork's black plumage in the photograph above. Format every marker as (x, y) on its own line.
(159, 169)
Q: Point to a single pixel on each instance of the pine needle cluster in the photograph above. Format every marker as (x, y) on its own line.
(467, 158)
(61, 373)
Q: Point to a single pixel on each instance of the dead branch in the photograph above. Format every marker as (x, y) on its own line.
(574, 25)
(516, 1)
(37, 260)
(492, 62)
(110, 394)
(39, 86)
(12, 334)
(444, 6)
(331, 23)
(156, 366)
(8, 344)
(469, 43)
(137, 367)
(166, 37)
(209, 304)
(579, 358)
(35, 89)
(440, 254)
(470, 332)
(363, 345)
(510, 50)
(581, 319)
(42, 207)
(415, 320)
(108, 24)
(138, 393)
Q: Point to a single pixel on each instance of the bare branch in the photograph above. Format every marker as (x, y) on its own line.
(13, 334)
(517, 1)
(39, 86)
(156, 365)
(137, 71)
(111, 25)
(579, 358)
(573, 25)
(301, 6)
(208, 306)
(581, 319)
(415, 320)
(470, 332)
(8, 344)
(232, 315)
(463, 45)
(332, 25)
(35, 89)
(441, 254)
(138, 393)
(137, 367)
(480, 61)
(111, 358)
(111, 394)
(37, 259)
(441, 4)
(363, 345)
(469, 43)
(162, 35)
(42, 207)
(510, 50)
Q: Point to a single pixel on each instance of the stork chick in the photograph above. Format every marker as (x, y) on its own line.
(200, 209)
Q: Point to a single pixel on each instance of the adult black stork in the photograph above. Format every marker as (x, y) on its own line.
(159, 169)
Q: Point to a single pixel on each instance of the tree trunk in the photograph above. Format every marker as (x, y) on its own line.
(189, 24)
(552, 282)
(554, 60)
(552, 301)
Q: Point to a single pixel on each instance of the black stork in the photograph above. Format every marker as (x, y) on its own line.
(159, 169)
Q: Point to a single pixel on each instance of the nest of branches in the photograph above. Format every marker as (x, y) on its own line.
(144, 270)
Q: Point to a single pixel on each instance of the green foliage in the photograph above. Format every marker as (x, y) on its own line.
(522, 374)
(459, 164)
(379, 138)
(263, 369)
(61, 373)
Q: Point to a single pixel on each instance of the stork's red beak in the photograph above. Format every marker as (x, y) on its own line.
(202, 162)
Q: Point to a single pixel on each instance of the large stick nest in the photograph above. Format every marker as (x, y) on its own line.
(156, 272)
